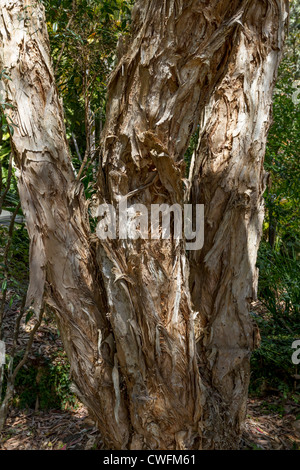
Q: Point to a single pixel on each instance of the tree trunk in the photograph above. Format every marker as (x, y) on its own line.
(124, 306)
(61, 256)
(227, 176)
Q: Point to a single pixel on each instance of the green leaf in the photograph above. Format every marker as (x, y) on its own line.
(29, 316)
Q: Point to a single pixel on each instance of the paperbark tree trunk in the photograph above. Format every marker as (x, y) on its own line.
(227, 176)
(124, 306)
(61, 256)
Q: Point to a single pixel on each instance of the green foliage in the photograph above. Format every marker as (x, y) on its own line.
(46, 382)
(272, 370)
(83, 37)
(278, 259)
(18, 264)
(279, 285)
(283, 163)
(190, 151)
(279, 324)
(282, 155)
(12, 197)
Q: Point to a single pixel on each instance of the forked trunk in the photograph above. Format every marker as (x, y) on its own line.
(124, 306)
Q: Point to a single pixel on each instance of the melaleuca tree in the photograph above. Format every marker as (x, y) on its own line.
(159, 343)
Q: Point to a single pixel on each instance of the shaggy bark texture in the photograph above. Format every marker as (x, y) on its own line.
(53, 203)
(227, 176)
(124, 306)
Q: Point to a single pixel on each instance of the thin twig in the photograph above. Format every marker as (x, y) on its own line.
(84, 162)
(5, 263)
(76, 147)
(64, 43)
(9, 175)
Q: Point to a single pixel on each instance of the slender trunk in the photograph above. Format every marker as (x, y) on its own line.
(272, 226)
(13, 372)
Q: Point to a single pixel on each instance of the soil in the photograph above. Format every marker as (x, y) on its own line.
(74, 430)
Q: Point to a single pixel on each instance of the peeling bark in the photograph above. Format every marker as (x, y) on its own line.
(227, 176)
(61, 256)
(155, 99)
(124, 306)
